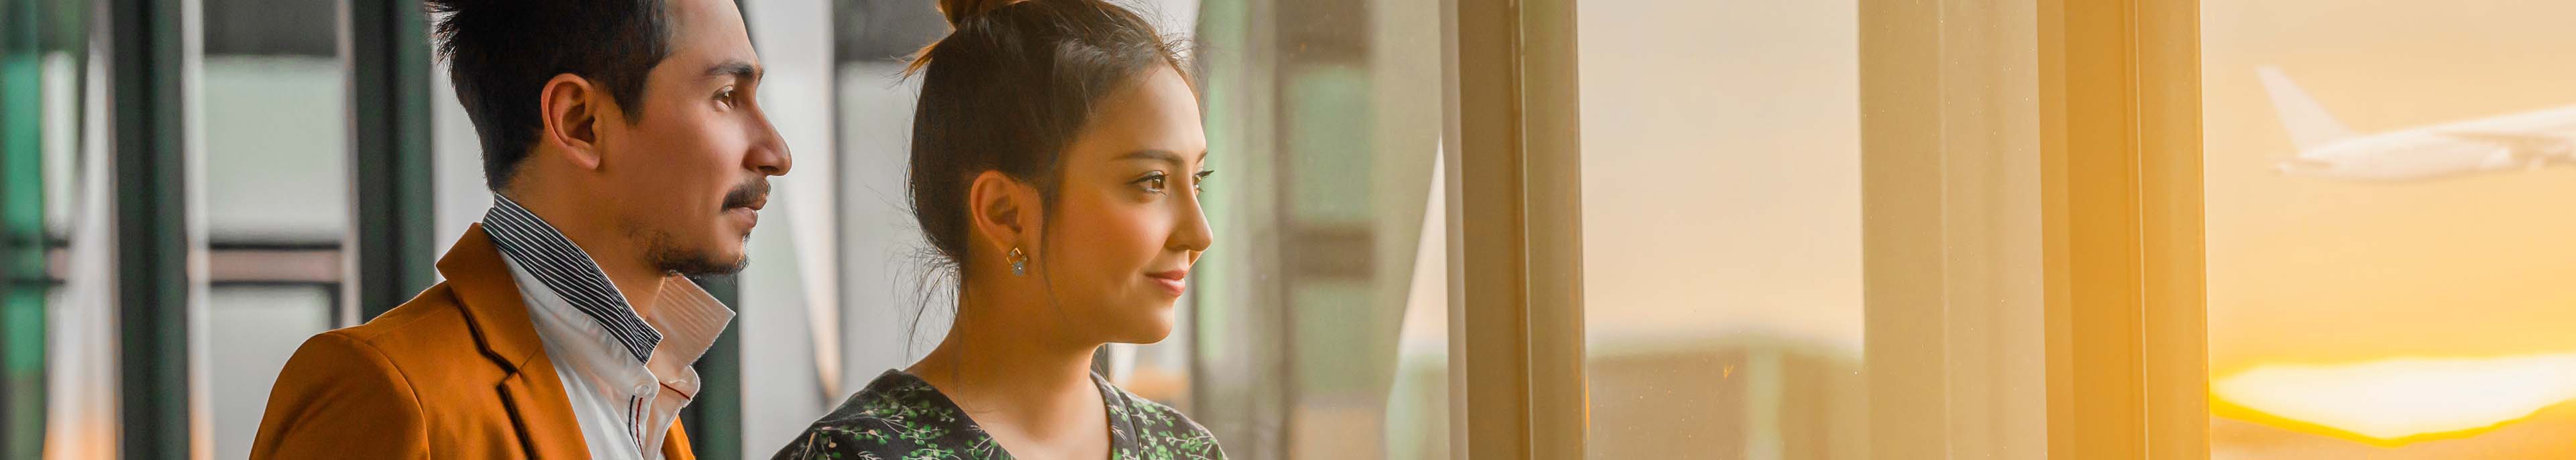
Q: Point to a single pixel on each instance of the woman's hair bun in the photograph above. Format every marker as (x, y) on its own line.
(959, 10)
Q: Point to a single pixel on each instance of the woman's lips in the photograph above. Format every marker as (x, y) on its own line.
(1171, 281)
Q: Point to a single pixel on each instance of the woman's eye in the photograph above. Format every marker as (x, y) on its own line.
(1153, 183)
(1198, 182)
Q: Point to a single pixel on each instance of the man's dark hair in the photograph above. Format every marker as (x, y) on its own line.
(501, 52)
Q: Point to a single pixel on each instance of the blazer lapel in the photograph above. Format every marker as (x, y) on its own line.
(498, 317)
(543, 414)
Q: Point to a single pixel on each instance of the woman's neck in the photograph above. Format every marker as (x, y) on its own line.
(1016, 374)
(1010, 363)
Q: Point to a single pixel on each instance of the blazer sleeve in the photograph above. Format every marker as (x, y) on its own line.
(341, 398)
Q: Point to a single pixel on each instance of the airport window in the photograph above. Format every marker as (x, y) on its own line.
(273, 113)
(2383, 230)
(1744, 339)
(1807, 229)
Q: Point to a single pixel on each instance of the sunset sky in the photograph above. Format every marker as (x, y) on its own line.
(2388, 309)
(2318, 271)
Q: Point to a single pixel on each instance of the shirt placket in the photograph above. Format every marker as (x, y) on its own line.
(638, 391)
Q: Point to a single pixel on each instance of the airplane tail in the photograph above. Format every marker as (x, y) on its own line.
(2309, 124)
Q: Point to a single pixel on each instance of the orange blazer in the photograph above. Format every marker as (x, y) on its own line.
(457, 372)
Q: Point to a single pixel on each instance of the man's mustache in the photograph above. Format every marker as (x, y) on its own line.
(751, 194)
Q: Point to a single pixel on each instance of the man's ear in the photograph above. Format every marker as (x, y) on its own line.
(1001, 209)
(572, 107)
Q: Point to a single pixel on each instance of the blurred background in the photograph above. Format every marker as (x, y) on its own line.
(1722, 227)
(1316, 332)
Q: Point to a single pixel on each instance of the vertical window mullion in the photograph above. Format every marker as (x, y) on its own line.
(391, 252)
(146, 39)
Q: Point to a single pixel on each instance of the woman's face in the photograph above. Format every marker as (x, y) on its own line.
(1125, 226)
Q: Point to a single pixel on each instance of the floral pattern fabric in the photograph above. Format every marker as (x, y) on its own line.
(900, 417)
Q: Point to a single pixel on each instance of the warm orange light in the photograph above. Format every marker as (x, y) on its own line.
(2396, 401)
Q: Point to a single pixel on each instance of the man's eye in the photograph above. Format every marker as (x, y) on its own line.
(726, 97)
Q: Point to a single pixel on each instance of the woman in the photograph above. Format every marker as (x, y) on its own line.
(1055, 168)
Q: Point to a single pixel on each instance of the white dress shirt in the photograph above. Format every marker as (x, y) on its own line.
(626, 376)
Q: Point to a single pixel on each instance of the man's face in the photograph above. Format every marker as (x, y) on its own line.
(687, 180)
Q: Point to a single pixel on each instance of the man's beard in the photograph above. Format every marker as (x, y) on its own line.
(669, 256)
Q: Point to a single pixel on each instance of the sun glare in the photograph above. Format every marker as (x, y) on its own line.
(2404, 398)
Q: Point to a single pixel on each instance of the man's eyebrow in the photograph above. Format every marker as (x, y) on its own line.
(739, 70)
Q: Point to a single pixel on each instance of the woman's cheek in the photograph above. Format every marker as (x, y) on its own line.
(1109, 235)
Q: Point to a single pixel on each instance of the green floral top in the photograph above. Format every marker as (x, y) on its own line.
(900, 417)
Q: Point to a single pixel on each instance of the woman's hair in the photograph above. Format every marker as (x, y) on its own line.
(1007, 91)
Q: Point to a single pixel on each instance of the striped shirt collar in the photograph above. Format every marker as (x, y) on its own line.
(563, 268)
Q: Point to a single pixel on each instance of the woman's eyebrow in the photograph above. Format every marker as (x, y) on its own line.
(1157, 155)
(1152, 155)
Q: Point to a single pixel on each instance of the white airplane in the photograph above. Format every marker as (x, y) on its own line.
(2327, 149)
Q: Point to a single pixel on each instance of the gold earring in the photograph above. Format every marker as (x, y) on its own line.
(1019, 262)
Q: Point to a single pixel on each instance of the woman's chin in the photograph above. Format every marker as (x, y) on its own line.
(1146, 332)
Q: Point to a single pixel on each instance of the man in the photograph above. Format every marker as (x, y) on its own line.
(624, 150)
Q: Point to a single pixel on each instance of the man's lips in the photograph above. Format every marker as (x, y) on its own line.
(749, 210)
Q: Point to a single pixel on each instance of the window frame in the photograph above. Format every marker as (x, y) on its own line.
(2128, 315)
(2120, 221)
(1513, 187)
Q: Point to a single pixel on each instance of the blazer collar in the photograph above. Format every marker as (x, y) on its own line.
(498, 319)
(498, 316)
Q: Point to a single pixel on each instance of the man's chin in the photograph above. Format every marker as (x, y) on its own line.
(706, 266)
(727, 269)
(666, 252)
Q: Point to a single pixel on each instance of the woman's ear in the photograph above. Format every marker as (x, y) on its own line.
(571, 108)
(1000, 208)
